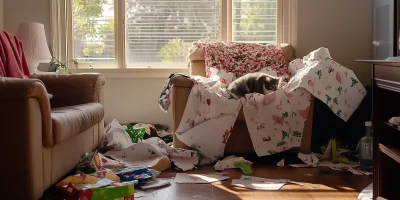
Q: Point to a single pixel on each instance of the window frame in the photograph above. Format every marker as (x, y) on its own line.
(284, 31)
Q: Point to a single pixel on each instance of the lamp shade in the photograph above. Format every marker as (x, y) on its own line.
(33, 37)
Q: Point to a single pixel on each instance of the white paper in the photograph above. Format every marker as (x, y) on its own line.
(115, 134)
(185, 163)
(229, 162)
(139, 193)
(149, 152)
(281, 163)
(198, 178)
(258, 183)
(155, 183)
(366, 194)
(310, 160)
(353, 168)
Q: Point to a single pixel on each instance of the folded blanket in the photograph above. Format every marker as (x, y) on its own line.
(12, 58)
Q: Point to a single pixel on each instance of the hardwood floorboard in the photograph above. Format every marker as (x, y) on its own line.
(328, 184)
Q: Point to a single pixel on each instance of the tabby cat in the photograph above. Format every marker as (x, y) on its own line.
(253, 82)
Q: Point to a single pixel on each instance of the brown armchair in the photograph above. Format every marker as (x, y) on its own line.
(43, 140)
(239, 141)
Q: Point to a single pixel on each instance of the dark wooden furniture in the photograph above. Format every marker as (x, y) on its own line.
(386, 104)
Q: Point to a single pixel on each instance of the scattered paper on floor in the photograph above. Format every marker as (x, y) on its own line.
(198, 178)
(257, 183)
(152, 152)
(353, 168)
(229, 162)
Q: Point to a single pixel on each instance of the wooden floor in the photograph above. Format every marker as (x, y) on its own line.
(330, 185)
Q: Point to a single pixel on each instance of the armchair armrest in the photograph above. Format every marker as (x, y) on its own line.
(73, 89)
(26, 130)
(182, 82)
(18, 99)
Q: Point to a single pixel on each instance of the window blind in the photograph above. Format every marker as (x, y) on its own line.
(254, 21)
(160, 32)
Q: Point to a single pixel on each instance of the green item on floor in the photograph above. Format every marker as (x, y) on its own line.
(136, 134)
(335, 157)
(245, 168)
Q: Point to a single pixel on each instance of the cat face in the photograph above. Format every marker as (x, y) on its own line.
(271, 84)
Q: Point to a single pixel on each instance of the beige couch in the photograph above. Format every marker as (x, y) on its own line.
(239, 141)
(43, 140)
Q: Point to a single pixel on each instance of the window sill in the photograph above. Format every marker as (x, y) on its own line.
(134, 73)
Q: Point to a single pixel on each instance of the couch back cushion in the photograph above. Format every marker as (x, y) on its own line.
(198, 65)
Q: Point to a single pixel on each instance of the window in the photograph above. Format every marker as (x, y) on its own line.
(158, 33)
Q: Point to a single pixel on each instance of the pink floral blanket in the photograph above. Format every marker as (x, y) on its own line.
(242, 58)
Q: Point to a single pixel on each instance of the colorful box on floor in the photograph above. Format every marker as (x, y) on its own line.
(142, 175)
(123, 191)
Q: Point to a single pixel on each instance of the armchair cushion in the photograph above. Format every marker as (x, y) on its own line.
(72, 89)
(72, 120)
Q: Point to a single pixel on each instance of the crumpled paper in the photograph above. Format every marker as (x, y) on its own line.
(155, 153)
(229, 162)
(310, 160)
(116, 135)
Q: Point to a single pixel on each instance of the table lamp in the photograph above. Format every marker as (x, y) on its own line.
(33, 38)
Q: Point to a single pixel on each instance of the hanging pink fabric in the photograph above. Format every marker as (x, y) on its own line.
(12, 58)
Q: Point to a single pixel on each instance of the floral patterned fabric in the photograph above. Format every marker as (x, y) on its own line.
(242, 58)
(164, 100)
(275, 121)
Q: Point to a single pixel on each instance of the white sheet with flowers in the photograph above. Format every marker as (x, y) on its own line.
(275, 121)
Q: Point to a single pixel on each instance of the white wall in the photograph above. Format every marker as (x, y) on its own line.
(343, 26)
(135, 100)
(18, 11)
(1, 15)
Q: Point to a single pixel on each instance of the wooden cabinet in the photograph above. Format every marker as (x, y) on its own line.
(386, 104)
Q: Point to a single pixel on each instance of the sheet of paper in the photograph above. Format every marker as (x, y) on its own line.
(310, 160)
(258, 183)
(198, 178)
(139, 193)
(366, 194)
(115, 135)
(229, 162)
(155, 184)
